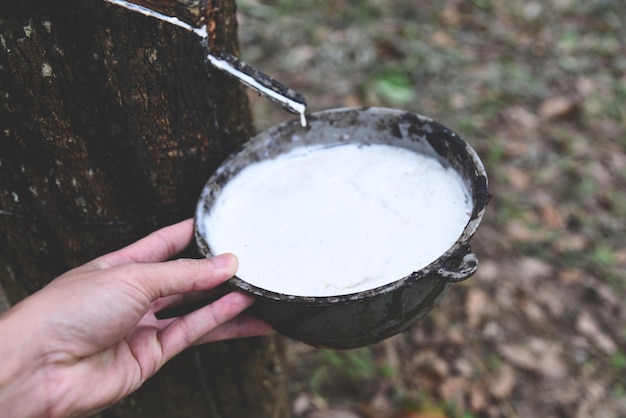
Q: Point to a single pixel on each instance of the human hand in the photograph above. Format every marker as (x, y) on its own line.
(91, 337)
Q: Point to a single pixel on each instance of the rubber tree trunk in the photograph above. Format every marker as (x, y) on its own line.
(110, 123)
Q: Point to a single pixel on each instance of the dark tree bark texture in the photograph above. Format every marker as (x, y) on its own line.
(110, 123)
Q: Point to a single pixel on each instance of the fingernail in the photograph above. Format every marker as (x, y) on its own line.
(224, 260)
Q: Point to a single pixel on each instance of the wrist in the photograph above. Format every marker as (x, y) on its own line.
(21, 390)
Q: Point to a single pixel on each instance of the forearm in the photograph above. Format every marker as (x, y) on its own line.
(22, 389)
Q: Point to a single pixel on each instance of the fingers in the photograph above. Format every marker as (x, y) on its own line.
(143, 264)
(169, 278)
(187, 301)
(185, 331)
(160, 245)
(240, 327)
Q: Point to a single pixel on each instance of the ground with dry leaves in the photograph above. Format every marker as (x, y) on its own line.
(539, 89)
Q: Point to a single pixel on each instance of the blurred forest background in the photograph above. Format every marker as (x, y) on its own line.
(539, 89)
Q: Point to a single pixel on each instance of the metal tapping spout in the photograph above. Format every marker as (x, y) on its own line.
(192, 20)
(262, 83)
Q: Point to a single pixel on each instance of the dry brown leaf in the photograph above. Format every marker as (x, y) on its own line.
(421, 414)
(518, 179)
(532, 10)
(523, 117)
(516, 149)
(594, 394)
(478, 399)
(532, 268)
(519, 355)
(534, 312)
(552, 217)
(392, 358)
(458, 101)
(301, 403)
(379, 406)
(352, 100)
(450, 15)
(620, 257)
(463, 367)
(488, 272)
(438, 366)
(585, 86)
(334, 413)
(442, 39)
(608, 296)
(571, 243)
(455, 336)
(571, 276)
(601, 174)
(519, 231)
(539, 356)
(503, 382)
(550, 295)
(588, 326)
(557, 107)
(549, 354)
(475, 306)
(493, 331)
(452, 389)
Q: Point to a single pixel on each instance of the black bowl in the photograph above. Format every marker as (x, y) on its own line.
(359, 319)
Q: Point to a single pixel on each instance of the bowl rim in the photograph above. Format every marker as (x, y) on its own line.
(441, 268)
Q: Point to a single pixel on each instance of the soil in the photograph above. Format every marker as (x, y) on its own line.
(539, 90)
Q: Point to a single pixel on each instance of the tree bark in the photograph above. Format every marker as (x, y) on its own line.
(110, 123)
